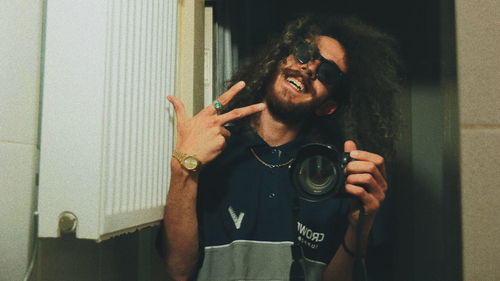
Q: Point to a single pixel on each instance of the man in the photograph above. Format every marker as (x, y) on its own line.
(229, 213)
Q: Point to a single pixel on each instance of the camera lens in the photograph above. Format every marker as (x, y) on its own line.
(317, 172)
(316, 175)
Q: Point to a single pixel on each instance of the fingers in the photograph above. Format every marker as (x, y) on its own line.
(370, 157)
(229, 94)
(180, 112)
(366, 176)
(225, 132)
(370, 202)
(362, 167)
(240, 112)
(349, 146)
(369, 184)
(225, 98)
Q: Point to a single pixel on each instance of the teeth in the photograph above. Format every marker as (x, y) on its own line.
(296, 83)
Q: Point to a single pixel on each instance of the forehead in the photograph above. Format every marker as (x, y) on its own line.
(331, 49)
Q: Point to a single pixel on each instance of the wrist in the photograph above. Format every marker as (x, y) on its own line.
(183, 184)
(352, 252)
(350, 242)
(368, 220)
(178, 170)
(186, 160)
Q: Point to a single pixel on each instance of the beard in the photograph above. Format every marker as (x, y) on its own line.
(288, 112)
(285, 110)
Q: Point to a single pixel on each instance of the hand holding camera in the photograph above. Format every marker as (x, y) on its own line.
(320, 172)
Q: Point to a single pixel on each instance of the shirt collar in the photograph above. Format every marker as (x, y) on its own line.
(246, 136)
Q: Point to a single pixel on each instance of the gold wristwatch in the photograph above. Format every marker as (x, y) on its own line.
(189, 162)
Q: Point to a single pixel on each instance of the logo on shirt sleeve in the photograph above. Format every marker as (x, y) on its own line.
(237, 219)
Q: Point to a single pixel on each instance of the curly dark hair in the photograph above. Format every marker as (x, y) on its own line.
(366, 95)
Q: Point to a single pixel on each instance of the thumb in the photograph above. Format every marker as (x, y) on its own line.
(180, 112)
(349, 146)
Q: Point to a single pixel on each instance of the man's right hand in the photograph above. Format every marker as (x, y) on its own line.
(204, 134)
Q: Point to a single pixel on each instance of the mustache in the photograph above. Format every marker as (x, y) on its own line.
(293, 73)
(288, 72)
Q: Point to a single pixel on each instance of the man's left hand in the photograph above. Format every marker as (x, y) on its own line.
(366, 180)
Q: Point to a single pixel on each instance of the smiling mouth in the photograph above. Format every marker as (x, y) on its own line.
(299, 86)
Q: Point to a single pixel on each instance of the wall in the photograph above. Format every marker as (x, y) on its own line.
(478, 41)
(20, 29)
(190, 85)
(128, 257)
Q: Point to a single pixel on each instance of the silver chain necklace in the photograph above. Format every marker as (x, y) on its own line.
(272, 166)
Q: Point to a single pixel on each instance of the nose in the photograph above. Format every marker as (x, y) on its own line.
(311, 68)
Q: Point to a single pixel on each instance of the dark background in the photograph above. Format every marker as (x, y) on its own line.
(421, 221)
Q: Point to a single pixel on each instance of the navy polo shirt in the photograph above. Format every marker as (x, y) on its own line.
(246, 224)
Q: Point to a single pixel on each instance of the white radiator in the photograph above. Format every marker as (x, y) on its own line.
(107, 131)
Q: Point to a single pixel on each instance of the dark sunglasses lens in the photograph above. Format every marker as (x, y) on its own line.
(329, 73)
(302, 52)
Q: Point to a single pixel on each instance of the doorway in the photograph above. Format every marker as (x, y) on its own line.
(421, 234)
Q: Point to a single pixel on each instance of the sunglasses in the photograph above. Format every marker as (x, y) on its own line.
(328, 72)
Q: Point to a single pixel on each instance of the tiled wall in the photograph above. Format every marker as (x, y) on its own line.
(20, 28)
(478, 51)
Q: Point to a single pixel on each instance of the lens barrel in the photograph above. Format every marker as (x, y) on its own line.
(318, 172)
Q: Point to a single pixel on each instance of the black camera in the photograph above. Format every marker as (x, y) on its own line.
(318, 172)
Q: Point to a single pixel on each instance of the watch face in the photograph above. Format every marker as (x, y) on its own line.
(190, 163)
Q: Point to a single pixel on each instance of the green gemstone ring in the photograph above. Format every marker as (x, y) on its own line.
(217, 105)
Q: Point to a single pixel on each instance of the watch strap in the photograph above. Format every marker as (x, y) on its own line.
(181, 157)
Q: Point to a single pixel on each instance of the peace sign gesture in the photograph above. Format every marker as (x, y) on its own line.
(204, 134)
